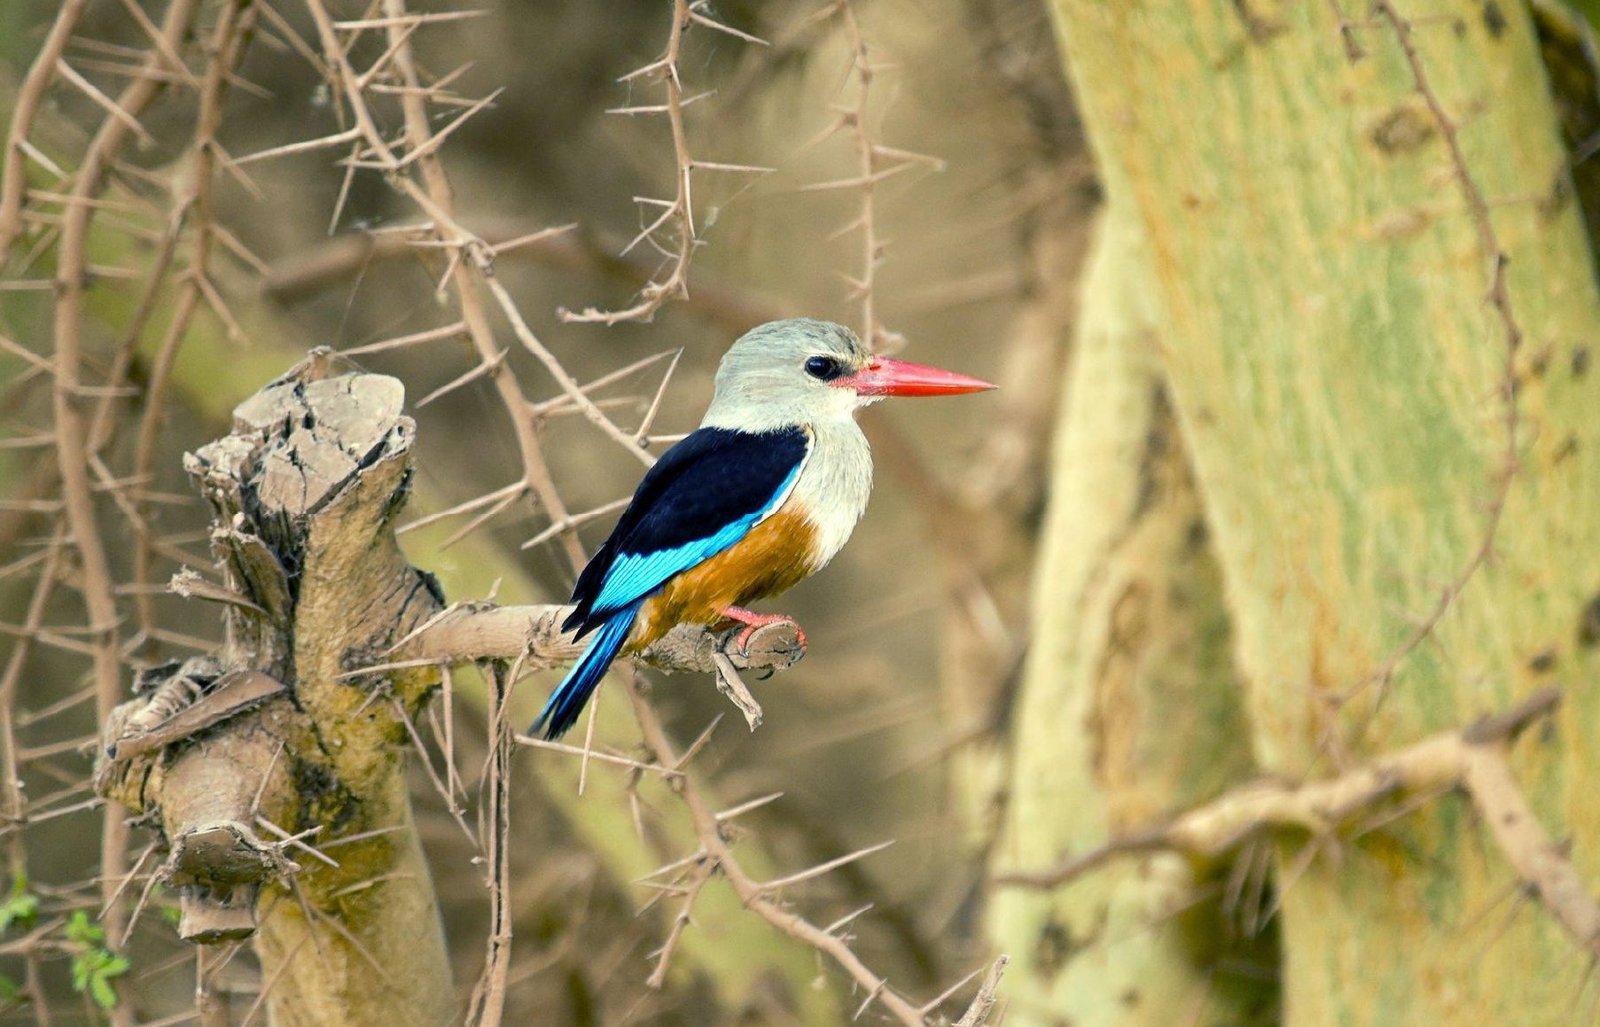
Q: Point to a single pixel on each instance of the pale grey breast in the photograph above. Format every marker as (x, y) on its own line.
(834, 484)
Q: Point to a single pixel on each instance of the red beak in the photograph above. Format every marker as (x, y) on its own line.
(885, 377)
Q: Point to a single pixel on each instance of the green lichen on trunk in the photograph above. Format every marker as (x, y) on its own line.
(1319, 286)
(305, 491)
(1128, 710)
(372, 950)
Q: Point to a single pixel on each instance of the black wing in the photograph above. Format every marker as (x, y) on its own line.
(699, 499)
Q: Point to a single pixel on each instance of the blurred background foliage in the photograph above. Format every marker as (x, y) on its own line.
(860, 736)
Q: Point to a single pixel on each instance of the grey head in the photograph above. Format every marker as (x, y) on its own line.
(785, 373)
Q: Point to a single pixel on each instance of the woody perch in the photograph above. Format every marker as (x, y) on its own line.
(759, 497)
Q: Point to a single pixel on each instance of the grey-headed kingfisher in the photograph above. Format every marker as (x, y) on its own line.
(762, 495)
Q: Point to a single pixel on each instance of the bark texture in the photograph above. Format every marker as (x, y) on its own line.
(304, 492)
(1318, 253)
(1128, 710)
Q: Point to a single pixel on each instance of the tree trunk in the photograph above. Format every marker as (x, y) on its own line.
(1129, 709)
(1401, 477)
(315, 587)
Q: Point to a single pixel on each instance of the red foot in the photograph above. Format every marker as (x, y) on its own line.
(752, 621)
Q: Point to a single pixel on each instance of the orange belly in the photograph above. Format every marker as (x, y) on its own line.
(774, 556)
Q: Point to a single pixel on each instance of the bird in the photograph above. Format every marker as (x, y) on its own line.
(763, 494)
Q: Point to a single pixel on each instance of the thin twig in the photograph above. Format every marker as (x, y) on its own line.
(488, 998)
(1498, 295)
(977, 1013)
(754, 895)
(1470, 759)
(25, 107)
(228, 45)
(673, 283)
(697, 880)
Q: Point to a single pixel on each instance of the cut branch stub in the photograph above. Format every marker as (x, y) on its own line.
(218, 869)
(198, 753)
(264, 735)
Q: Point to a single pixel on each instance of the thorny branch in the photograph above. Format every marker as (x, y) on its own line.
(855, 117)
(227, 44)
(343, 257)
(679, 212)
(1498, 296)
(13, 179)
(762, 898)
(532, 635)
(435, 200)
(1470, 760)
(79, 437)
(487, 1005)
(875, 162)
(472, 251)
(412, 165)
(71, 428)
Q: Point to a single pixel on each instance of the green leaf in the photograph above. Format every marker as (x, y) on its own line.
(104, 995)
(20, 908)
(10, 991)
(94, 967)
(80, 930)
(103, 968)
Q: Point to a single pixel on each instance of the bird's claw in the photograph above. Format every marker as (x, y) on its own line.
(741, 641)
(754, 622)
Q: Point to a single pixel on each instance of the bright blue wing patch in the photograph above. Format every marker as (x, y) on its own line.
(702, 496)
(633, 576)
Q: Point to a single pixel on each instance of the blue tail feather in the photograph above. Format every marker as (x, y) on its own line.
(567, 701)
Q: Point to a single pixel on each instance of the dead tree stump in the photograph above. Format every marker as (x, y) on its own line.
(272, 739)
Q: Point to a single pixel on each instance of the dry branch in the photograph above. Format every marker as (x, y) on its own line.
(228, 43)
(487, 1005)
(339, 260)
(71, 427)
(679, 211)
(1471, 760)
(762, 898)
(472, 631)
(977, 1013)
(752, 893)
(13, 163)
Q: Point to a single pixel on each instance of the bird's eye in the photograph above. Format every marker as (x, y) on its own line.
(824, 368)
